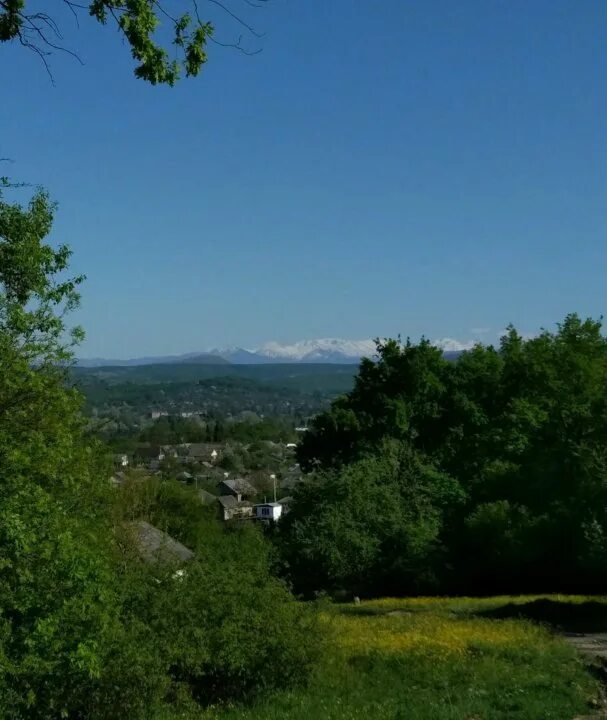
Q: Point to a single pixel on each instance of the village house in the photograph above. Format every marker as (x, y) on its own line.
(203, 452)
(207, 498)
(156, 414)
(233, 509)
(157, 547)
(238, 487)
(146, 452)
(268, 511)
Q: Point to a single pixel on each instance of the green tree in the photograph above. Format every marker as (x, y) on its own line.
(521, 427)
(227, 627)
(149, 28)
(400, 396)
(371, 527)
(58, 617)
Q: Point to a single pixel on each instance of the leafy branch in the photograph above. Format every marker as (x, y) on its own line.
(139, 22)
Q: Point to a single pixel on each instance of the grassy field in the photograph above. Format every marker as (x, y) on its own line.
(440, 659)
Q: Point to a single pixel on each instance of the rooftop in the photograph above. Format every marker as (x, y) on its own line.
(156, 546)
(240, 485)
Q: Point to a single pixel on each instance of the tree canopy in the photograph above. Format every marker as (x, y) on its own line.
(521, 429)
(149, 27)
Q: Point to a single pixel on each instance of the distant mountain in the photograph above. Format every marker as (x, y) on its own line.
(240, 356)
(202, 359)
(194, 358)
(327, 351)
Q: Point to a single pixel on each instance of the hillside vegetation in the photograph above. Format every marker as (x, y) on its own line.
(305, 377)
(435, 659)
(130, 598)
(480, 476)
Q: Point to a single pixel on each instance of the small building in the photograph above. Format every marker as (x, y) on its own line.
(157, 547)
(156, 414)
(234, 509)
(121, 460)
(185, 477)
(201, 452)
(268, 511)
(148, 452)
(238, 487)
(207, 498)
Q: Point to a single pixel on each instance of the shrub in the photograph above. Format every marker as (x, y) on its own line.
(228, 628)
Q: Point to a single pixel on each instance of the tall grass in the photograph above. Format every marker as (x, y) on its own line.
(432, 659)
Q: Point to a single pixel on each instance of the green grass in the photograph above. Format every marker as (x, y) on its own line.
(436, 659)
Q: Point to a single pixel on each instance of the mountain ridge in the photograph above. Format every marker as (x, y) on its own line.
(323, 350)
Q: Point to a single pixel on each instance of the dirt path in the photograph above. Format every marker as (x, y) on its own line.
(594, 647)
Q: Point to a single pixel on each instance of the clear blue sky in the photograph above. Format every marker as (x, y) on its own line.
(387, 167)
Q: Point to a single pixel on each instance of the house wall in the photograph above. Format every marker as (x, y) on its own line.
(274, 514)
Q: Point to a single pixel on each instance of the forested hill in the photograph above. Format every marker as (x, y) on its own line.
(132, 393)
(304, 377)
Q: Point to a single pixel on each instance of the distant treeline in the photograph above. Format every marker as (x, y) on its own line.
(303, 377)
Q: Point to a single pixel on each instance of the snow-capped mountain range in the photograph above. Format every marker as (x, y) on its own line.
(325, 350)
(306, 351)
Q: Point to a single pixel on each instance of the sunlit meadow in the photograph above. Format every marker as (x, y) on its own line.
(434, 659)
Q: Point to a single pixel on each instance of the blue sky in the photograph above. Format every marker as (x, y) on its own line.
(380, 168)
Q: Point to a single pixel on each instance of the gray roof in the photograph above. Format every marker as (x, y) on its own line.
(207, 498)
(156, 546)
(285, 500)
(202, 449)
(240, 485)
(228, 501)
(270, 504)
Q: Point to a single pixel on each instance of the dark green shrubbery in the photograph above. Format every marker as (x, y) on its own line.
(232, 629)
(372, 526)
(521, 429)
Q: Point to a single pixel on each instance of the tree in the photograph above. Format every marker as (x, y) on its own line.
(139, 21)
(56, 610)
(228, 628)
(371, 527)
(400, 396)
(522, 428)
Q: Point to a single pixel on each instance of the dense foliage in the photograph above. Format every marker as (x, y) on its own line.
(36, 26)
(121, 400)
(520, 429)
(374, 524)
(88, 629)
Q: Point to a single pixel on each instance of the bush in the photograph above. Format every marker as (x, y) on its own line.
(229, 629)
(371, 527)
